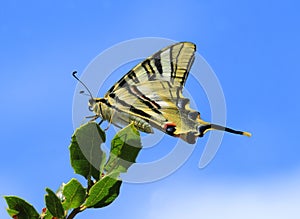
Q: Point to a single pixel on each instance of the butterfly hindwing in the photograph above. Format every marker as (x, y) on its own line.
(160, 104)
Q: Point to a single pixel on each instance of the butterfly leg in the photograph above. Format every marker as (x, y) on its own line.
(114, 125)
(110, 120)
(93, 118)
(108, 126)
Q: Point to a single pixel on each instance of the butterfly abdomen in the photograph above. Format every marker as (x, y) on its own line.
(141, 124)
(123, 118)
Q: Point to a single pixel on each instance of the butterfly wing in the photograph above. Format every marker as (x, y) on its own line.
(160, 104)
(170, 64)
(151, 93)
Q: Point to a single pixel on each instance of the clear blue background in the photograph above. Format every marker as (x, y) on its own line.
(253, 47)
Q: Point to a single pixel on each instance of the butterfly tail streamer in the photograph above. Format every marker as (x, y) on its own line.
(205, 128)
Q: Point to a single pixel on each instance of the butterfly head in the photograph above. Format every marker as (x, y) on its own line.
(92, 104)
(100, 107)
(97, 105)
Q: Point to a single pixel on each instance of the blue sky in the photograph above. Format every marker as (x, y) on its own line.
(253, 47)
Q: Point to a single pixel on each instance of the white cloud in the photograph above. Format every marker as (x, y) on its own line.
(275, 198)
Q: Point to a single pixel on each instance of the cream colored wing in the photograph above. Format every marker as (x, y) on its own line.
(151, 93)
(170, 64)
(159, 104)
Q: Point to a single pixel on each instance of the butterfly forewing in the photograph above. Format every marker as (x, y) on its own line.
(170, 64)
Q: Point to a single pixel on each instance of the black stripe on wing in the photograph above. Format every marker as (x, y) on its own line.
(151, 104)
(149, 70)
(137, 95)
(174, 64)
(123, 82)
(157, 62)
(130, 107)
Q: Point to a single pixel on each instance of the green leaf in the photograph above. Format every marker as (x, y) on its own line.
(53, 204)
(125, 147)
(20, 208)
(74, 194)
(104, 191)
(86, 154)
(113, 194)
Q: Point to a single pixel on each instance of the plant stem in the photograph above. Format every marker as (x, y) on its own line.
(74, 213)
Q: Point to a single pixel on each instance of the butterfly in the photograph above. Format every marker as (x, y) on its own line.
(150, 96)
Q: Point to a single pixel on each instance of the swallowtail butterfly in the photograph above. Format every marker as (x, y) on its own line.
(150, 96)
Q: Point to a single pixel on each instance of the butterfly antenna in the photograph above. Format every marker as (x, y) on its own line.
(74, 75)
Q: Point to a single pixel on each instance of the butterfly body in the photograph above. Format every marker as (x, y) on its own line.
(104, 109)
(150, 96)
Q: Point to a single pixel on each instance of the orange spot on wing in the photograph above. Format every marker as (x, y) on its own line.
(169, 124)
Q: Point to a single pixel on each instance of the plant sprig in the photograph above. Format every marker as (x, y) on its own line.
(88, 160)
